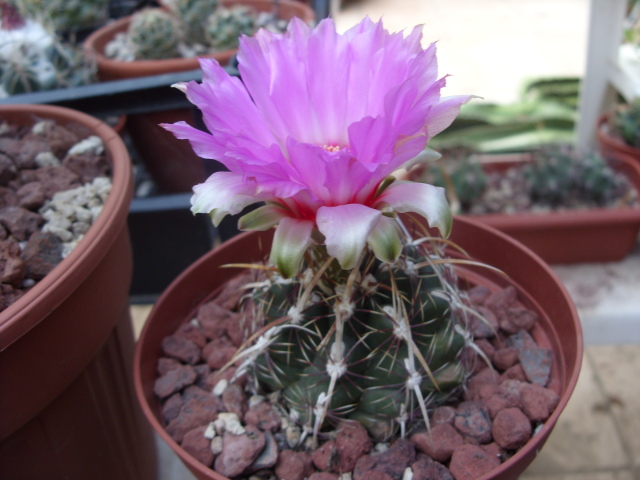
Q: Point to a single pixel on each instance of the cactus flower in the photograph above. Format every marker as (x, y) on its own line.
(314, 129)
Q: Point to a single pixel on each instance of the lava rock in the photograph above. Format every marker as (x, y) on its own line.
(511, 428)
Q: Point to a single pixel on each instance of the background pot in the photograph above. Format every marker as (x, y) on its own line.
(110, 69)
(576, 236)
(612, 146)
(67, 408)
(569, 236)
(558, 329)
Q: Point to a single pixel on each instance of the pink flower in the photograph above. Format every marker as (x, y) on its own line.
(314, 128)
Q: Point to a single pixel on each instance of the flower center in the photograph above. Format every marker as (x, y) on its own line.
(332, 148)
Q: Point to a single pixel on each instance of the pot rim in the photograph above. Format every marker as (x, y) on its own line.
(30, 309)
(570, 361)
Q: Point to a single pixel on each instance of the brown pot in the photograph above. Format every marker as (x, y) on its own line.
(578, 236)
(596, 235)
(67, 408)
(539, 289)
(612, 146)
(110, 69)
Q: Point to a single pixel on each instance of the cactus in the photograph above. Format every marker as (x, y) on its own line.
(561, 176)
(225, 26)
(191, 14)
(17, 78)
(66, 15)
(154, 34)
(625, 121)
(34, 59)
(550, 177)
(377, 345)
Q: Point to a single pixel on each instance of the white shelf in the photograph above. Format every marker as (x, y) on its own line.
(611, 68)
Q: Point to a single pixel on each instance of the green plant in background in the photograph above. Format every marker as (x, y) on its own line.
(545, 114)
(460, 171)
(66, 15)
(33, 58)
(154, 34)
(551, 177)
(193, 15)
(625, 121)
(225, 26)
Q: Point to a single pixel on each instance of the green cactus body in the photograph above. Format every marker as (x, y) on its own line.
(226, 25)
(154, 34)
(17, 78)
(551, 177)
(626, 121)
(356, 348)
(191, 14)
(66, 15)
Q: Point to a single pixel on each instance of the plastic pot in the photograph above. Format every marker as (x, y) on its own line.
(67, 408)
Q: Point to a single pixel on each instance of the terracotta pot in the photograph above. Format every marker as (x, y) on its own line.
(612, 146)
(558, 329)
(110, 69)
(67, 408)
(578, 236)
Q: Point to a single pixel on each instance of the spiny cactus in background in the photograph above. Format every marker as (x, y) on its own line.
(225, 26)
(626, 122)
(66, 15)
(550, 176)
(562, 176)
(34, 59)
(154, 34)
(192, 14)
(378, 344)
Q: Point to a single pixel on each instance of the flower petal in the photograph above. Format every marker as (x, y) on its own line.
(291, 240)
(223, 193)
(421, 198)
(384, 240)
(346, 229)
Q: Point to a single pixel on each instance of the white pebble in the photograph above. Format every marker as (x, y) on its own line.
(92, 144)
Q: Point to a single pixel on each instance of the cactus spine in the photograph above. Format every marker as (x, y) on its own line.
(378, 344)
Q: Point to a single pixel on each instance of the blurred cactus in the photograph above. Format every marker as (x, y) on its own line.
(625, 121)
(550, 177)
(154, 34)
(381, 345)
(225, 26)
(460, 170)
(34, 59)
(66, 15)
(192, 15)
(188, 28)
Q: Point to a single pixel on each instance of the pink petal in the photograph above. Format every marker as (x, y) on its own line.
(421, 198)
(223, 193)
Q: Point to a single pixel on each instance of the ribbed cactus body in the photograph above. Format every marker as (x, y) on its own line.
(66, 15)
(360, 354)
(154, 34)
(18, 79)
(192, 15)
(226, 25)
